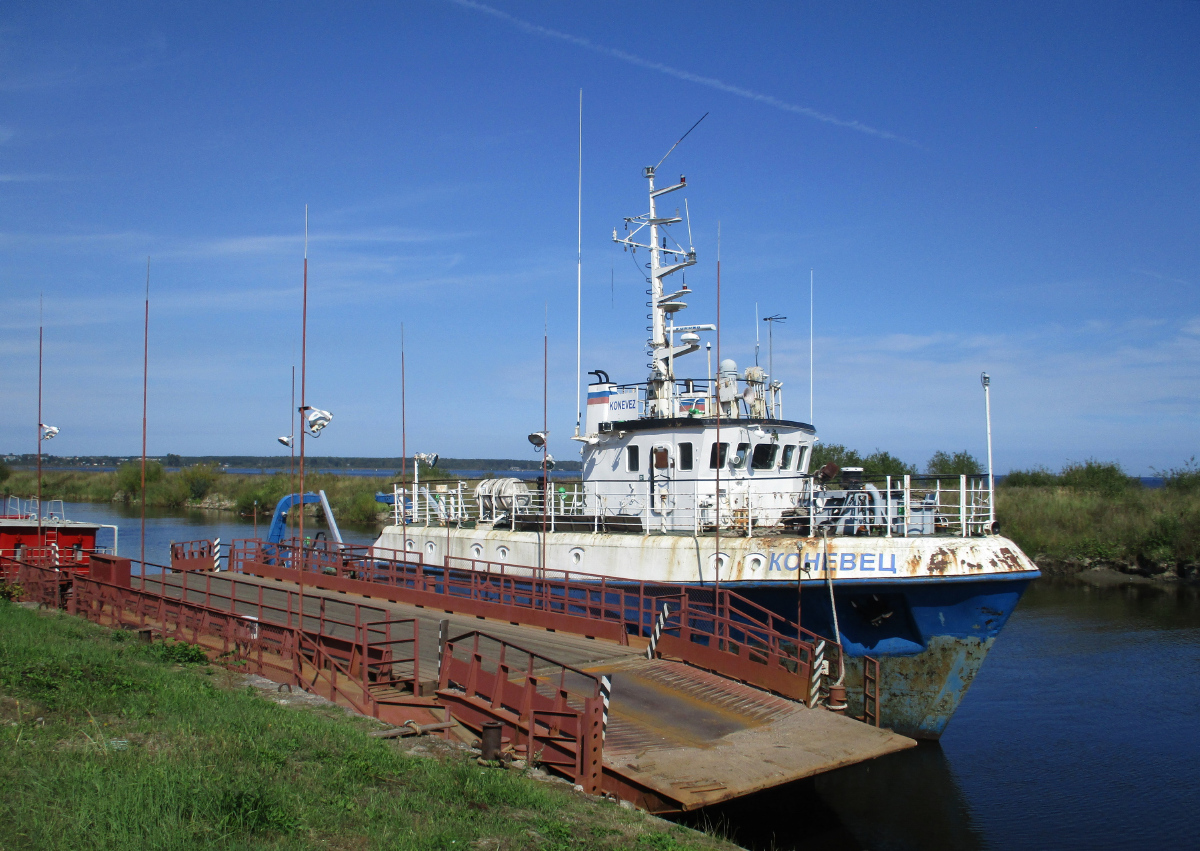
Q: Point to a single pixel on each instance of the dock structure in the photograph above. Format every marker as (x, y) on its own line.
(669, 698)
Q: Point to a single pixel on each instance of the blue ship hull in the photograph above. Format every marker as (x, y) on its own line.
(930, 637)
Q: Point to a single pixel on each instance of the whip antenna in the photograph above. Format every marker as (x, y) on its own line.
(681, 138)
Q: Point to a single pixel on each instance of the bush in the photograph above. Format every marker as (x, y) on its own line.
(1091, 475)
(880, 463)
(5, 472)
(1185, 479)
(825, 453)
(199, 479)
(1035, 477)
(954, 464)
(129, 477)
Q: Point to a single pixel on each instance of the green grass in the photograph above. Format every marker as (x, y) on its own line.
(106, 743)
(1152, 530)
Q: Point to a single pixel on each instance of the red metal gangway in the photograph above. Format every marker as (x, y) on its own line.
(371, 664)
(553, 713)
(718, 630)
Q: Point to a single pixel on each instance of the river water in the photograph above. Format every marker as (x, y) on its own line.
(1080, 731)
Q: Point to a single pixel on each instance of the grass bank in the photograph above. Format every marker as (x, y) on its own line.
(1151, 531)
(107, 743)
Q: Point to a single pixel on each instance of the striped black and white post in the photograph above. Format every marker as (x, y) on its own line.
(54, 552)
(816, 670)
(443, 637)
(606, 696)
(217, 554)
(659, 623)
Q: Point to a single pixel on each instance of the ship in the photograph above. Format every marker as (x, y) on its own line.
(704, 482)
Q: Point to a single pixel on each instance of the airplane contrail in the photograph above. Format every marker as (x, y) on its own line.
(711, 82)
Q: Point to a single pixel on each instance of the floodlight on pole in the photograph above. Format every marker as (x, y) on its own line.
(315, 419)
(430, 460)
(48, 431)
(538, 439)
(286, 440)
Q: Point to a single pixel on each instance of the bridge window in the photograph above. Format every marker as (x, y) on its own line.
(685, 456)
(789, 453)
(764, 456)
(716, 458)
(804, 458)
(739, 457)
(632, 458)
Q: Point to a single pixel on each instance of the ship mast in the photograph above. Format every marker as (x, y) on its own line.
(661, 346)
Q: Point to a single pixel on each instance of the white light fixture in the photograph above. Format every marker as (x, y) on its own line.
(48, 431)
(286, 440)
(315, 419)
(538, 439)
(429, 459)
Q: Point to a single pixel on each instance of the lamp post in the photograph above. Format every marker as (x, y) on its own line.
(986, 381)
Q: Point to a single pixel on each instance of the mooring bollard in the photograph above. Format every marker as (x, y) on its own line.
(491, 741)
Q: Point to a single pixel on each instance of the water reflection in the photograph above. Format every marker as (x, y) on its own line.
(909, 800)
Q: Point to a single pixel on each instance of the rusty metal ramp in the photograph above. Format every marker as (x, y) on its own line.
(680, 738)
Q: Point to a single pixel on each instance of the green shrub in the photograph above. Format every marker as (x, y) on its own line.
(880, 463)
(825, 453)
(954, 464)
(200, 479)
(1092, 475)
(5, 472)
(1185, 479)
(129, 477)
(1035, 477)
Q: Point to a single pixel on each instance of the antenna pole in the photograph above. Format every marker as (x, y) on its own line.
(987, 405)
(303, 404)
(403, 439)
(579, 279)
(757, 337)
(720, 460)
(145, 375)
(810, 346)
(292, 446)
(545, 427)
(41, 323)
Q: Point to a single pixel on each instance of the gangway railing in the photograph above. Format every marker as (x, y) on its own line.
(555, 712)
(750, 642)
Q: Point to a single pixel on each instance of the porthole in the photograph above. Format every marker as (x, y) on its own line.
(502, 552)
(430, 548)
(476, 551)
(755, 561)
(410, 544)
(712, 562)
(576, 556)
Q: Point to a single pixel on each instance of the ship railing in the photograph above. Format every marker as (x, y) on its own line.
(16, 508)
(883, 506)
(697, 397)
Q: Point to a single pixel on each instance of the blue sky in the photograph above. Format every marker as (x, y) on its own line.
(1011, 187)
